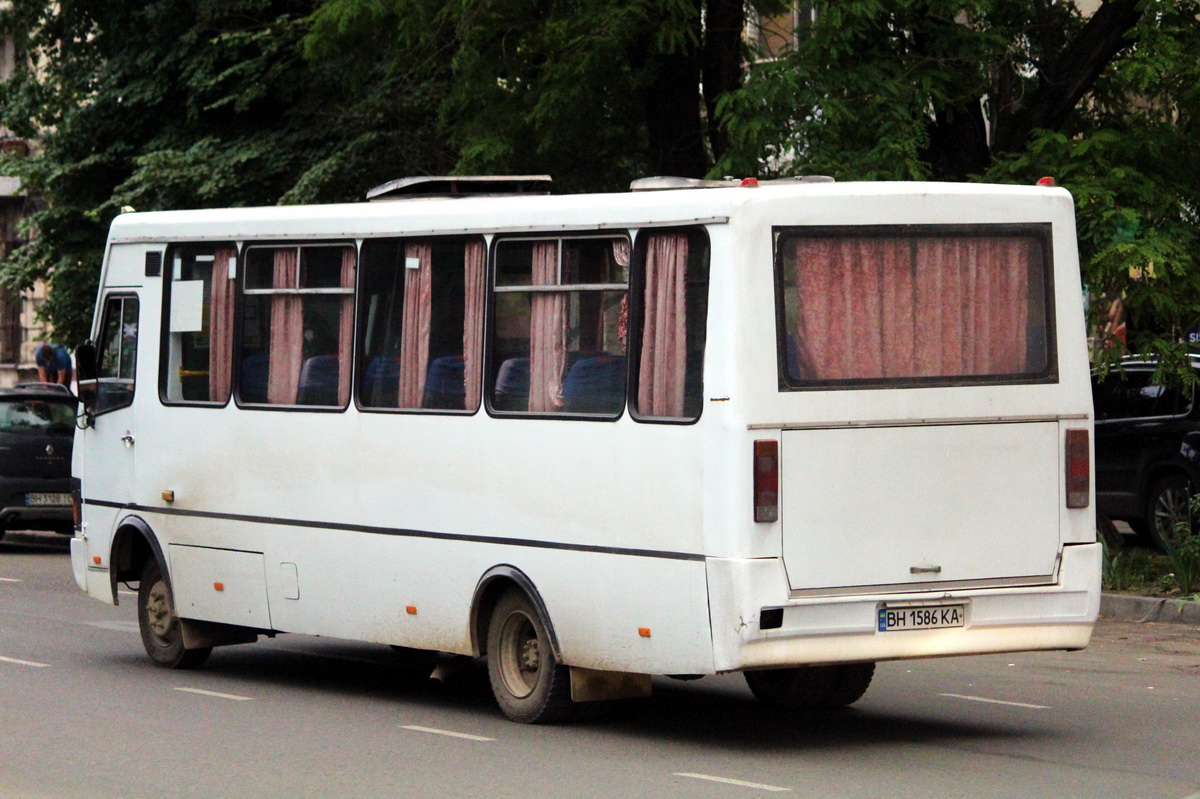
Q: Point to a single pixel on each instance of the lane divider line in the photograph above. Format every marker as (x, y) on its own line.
(217, 694)
(997, 701)
(728, 781)
(33, 663)
(11, 580)
(449, 733)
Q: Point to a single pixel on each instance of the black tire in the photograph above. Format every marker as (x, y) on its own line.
(530, 685)
(161, 633)
(1166, 506)
(812, 687)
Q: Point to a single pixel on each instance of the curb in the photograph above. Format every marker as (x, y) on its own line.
(1142, 608)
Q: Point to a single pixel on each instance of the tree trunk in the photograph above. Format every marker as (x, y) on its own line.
(1067, 76)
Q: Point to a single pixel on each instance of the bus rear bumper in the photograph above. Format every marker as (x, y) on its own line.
(846, 629)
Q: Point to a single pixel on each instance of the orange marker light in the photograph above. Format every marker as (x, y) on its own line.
(644, 632)
(96, 559)
(411, 610)
(219, 586)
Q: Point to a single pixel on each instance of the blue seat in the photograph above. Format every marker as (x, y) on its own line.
(252, 382)
(595, 384)
(511, 392)
(381, 383)
(445, 383)
(319, 381)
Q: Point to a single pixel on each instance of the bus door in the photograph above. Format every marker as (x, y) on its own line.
(108, 473)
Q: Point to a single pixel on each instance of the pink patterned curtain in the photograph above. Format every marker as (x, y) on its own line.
(663, 366)
(547, 333)
(475, 270)
(220, 327)
(346, 326)
(902, 307)
(287, 332)
(414, 336)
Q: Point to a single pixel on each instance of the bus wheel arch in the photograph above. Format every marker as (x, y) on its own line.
(133, 544)
(495, 582)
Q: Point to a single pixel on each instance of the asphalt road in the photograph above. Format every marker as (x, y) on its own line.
(83, 713)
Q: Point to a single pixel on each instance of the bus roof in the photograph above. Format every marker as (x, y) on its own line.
(553, 212)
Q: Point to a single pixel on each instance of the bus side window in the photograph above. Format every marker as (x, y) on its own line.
(297, 325)
(421, 324)
(558, 339)
(670, 330)
(116, 359)
(198, 319)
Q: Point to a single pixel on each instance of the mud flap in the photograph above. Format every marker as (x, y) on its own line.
(592, 685)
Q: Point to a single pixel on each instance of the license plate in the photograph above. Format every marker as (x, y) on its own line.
(43, 498)
(927, 617)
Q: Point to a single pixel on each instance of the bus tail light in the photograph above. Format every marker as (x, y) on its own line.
(766, 481)
(1079, 469)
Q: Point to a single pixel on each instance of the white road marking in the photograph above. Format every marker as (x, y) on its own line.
(10, 580)
(728, 781)
(33, 663)
(216, 694)
(435, 731)
(997, 701)
(118, 626)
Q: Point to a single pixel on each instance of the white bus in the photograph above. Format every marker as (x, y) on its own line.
(791, 428)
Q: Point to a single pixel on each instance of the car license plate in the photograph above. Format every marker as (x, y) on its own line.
(926, 617)
(43, 498)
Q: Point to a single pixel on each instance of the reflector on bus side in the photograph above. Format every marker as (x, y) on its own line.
(766, 480)
(1078, 469)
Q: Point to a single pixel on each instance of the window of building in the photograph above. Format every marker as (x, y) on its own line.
(198, 330)
(861, 308)
(672, 314)
(421, 323)
(297, 324)
(559, 333)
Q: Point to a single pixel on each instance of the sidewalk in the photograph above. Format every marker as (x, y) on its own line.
(1127, 607)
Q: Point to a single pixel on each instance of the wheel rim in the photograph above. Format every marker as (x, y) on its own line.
(520, 658)
(159, 614)
(1170, 508)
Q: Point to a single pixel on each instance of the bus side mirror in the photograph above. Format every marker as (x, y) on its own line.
(85, 369)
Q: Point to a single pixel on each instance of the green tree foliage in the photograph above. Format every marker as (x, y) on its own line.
(190, 103)
(1008, 91)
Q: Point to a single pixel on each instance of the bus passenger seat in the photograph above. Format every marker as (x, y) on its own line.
(596, 385)
(252, 385)
(319, 381)
(445, 383)
(381, 383)
(512, 385)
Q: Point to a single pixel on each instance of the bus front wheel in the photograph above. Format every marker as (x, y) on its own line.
(161, 633)
(812, 687)
(529, 683)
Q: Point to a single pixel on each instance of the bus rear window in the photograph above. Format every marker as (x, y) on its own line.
(860, 308)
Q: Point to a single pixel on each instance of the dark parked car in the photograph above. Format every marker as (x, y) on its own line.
(37, 428)
(1147, 449)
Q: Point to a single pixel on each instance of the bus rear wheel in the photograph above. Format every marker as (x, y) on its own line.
(161, 633)
(812, 687)
(530, 685)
